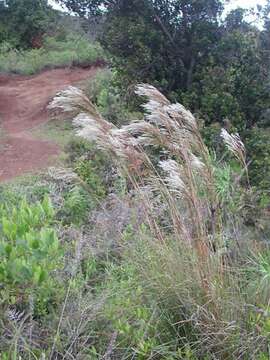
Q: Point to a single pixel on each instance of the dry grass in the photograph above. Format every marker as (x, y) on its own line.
(189, 256)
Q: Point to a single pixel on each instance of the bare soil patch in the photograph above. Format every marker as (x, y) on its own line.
(23, 102)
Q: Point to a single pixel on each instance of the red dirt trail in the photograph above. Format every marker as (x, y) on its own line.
(23, 102)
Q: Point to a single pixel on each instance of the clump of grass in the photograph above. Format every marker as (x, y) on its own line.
(73, 51)
(196, 274)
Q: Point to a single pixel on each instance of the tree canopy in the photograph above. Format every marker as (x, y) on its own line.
(145, 32)
(217, 67)
(21, 21)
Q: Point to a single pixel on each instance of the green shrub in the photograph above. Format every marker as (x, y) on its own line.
(90, 172)
(76, 205)
(258, 146)
(29, 253)
(5, 47)
(93, 167)
(111, 102)
(76, 148)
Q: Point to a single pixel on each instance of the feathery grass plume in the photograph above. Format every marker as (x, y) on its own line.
(234, 144)
(178, 135)
(94, 128)
(182, 115)
(73, 99)
(182, 255)
(155, 97)
(145, 134)
(196, 162)
(63, 174)
(160, 112)
(172, 131)
(174, 176)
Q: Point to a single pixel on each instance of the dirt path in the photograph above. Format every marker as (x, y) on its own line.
(23, 102)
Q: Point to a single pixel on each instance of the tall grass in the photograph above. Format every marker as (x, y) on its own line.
(195, 283)
(73, 51)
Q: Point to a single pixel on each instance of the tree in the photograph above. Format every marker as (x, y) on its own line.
(23, 20)
(235, 83)
(219, 69)
(159, 40)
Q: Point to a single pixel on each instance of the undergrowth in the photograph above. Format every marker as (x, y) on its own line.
(111, 102)
(75, 50)
(141, 249)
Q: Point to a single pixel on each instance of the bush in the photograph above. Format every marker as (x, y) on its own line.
(258, 146)
(90, 173)
(29, 253)
(75, 207)
(94, 168)
(111, 102)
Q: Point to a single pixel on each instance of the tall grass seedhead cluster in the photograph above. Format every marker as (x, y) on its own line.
(191, 254)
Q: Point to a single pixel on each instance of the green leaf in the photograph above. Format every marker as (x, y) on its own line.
(9, 228)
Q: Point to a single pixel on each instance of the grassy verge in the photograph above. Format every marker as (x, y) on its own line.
(58, 130)
(73, 51)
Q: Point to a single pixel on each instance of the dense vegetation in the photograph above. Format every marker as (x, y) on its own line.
(218, 68)
(71, 50)
(23, 22)
(147, 248)
(151, 240)
(34, 37)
